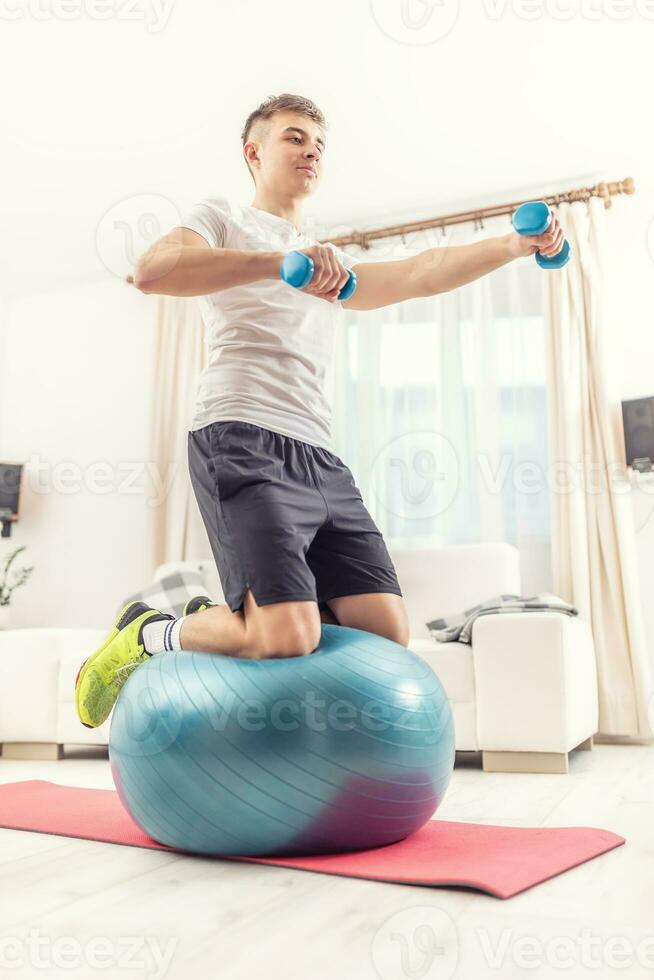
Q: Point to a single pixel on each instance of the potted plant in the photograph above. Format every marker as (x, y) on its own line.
(7, 585)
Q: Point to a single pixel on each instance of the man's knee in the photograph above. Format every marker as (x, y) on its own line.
(384, 615)
(283, 630)
(402, 636)
(290, 640)
(398, 628)
(396, 632)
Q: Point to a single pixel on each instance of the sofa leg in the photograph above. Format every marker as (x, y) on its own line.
(42, 751)
(587, 746)
(525, 761)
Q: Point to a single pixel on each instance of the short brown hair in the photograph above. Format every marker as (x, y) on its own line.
(279, 103)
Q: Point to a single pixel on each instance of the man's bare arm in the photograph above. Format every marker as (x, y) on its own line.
(435, 270)
(182, 263)
(441, 269)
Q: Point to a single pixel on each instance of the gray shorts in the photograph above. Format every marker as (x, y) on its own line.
(284, 518)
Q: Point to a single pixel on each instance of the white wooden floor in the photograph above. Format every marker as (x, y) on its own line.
(179, 916)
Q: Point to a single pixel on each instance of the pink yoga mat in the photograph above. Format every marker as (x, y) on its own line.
(499, 860)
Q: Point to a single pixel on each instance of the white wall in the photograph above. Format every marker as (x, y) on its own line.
(517, 93)
(75, 384)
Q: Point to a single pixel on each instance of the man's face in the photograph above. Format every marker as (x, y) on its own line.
(291, 157)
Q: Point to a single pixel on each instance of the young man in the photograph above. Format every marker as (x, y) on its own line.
(293, 541)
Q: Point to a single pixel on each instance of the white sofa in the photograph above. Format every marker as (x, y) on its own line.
(524, 694)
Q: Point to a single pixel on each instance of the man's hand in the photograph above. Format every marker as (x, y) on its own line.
(329, 276)
(549, 243)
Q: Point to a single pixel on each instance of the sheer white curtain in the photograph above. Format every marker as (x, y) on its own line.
(594, 549)
(174, 525)
(440, 409)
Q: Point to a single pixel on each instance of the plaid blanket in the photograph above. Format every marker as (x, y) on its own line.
(170, 593)
(460, 627)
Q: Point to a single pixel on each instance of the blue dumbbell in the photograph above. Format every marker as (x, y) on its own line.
(297, 270)
(534, 218)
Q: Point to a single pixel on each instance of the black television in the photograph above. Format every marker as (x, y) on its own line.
(11, 475)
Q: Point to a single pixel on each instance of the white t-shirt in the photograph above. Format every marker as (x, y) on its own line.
(270, 345)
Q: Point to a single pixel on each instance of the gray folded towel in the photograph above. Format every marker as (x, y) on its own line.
(459, 627)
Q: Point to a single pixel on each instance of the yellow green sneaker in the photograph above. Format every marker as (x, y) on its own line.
(104, 672)
(197, 604)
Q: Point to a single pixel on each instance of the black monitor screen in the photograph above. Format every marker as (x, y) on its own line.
(10, 474)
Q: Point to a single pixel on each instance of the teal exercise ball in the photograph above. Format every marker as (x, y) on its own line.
(347, 748)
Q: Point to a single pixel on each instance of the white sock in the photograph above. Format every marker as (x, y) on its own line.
(162, 635)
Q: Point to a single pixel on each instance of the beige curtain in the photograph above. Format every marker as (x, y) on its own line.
(594, 562)
(175, 529)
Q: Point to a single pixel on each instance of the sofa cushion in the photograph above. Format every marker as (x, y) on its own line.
(442, 581)
(453, 665)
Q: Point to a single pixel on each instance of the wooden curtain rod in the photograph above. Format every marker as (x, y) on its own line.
(603, 190)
